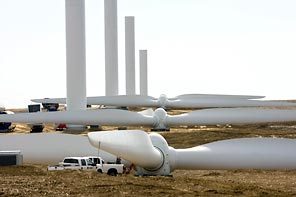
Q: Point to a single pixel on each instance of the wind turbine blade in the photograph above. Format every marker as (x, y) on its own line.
(225, 102)
(147, 112)
(248, 153)
(232, 116)
(123, 100)
(134, 146)
(120, 100)
(50, 148)
(217, 96)
(50, 100)
(113, 117)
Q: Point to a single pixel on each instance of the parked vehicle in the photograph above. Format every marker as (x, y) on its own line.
(110, 169)
(74, 163)
(89, 163)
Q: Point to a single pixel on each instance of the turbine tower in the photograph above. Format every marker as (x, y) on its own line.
(111, 48)
(75, 52)
(143, 73)
(130, 55)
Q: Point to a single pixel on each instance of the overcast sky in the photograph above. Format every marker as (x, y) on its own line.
(194, 46)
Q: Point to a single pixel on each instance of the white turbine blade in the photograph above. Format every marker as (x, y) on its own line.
(133, 146)
(214, 102)
(90, 117)
(50, 100)
(217, 96)
(50, 148)
(147, 112)
(249, 153)
(232, 116)
(123, 100)
(120, 100)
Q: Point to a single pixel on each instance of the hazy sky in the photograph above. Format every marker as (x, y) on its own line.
(194, 46)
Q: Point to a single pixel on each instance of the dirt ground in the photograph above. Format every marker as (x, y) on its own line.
(35, 180)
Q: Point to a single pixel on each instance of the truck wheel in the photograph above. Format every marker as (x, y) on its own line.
(99, 171)
(112, 172)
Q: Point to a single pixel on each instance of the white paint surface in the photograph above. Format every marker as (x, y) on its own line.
(143, 72)
(245, 153)
(111, 48)
(75, 48)
(50, 148)
(130, 67)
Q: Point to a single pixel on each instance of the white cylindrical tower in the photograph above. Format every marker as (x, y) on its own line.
(111, 48)
(130, 55)
(75, 52)
(143, 73)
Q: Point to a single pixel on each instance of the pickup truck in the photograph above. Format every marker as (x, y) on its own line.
(89, 163)
(111, 169)
(74, 163)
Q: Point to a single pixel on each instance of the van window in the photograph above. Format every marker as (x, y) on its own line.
(75, 161)
(96, 160)
(83, 162)
(90, 163)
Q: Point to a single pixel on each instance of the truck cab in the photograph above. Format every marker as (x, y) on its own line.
(110, 169)
(96, 160)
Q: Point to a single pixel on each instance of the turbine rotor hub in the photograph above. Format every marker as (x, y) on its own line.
(160, 116)
(164, 169)
(162, 101)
